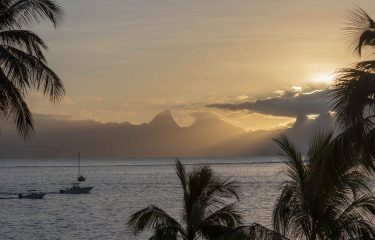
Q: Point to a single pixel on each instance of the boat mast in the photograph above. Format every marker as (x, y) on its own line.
(80, 178)
(79, 164)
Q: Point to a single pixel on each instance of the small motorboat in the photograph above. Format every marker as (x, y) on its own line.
(32, 194)
(76, 189)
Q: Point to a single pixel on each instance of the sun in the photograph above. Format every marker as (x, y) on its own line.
(323, 78)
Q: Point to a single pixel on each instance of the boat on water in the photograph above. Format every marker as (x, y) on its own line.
(76, 189)
(80, 178)
(32, 194)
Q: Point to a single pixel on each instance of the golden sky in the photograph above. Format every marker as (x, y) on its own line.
(126, 60)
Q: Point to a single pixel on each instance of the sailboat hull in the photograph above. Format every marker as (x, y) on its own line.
(76, 190)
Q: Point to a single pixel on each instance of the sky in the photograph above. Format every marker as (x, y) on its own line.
(127, 60)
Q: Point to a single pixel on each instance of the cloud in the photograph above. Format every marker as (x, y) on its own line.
(288, 103)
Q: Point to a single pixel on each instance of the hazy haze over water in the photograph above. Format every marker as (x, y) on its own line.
(120, 188)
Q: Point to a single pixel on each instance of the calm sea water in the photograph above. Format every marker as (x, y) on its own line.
(121, 187)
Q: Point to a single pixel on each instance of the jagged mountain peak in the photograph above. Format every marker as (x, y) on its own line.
(163, 119)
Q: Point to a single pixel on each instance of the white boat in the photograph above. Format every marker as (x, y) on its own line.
(76, 189)
(32, 194)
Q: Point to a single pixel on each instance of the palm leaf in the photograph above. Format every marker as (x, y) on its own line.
(293, 159)
(226, 216)
(352, 96)
(40, 75)
(150, 218)
(206, 211)
(24, 40)
(360, 30)
(328, 198)
(15, 13)
(13, 105)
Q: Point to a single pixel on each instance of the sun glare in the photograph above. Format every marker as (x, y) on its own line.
(323, 78)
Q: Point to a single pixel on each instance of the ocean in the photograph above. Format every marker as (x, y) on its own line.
(121, 187)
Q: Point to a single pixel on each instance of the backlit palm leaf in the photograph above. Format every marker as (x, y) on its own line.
(206, 211)
(361, 30)
(353, 98)
(320, 198)
(22, 62)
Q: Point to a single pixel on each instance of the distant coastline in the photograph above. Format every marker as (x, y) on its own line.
(134, 162)
(162, 137)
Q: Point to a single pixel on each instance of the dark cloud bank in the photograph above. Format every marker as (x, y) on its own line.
(289, 104)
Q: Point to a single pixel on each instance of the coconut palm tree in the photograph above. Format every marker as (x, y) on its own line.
(23, 66)
(207, 212)
(315, 202)
(353, 93)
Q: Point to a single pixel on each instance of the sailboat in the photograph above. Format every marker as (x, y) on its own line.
(76, 188)
(80, 178)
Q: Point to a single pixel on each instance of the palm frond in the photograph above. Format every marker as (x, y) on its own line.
(360, 30)
(151, 218)
(367, 66)
(353, 147)
(24, 40)
(15, 13)
(219, 232)
(16, 71)
(206, 207)
(363, 205)
(282, 210)
(164, 232)
(352, 96)
(293, 159)
(181, 173)
(219, 191)
(259, 232)
(355, 180)
(332, 200)
(198, 179)
(40, 75)
(22, 62)
(318, 146)
(353, 227)
(13, 105)
(226, 216)
(367, 151)
(207, 191)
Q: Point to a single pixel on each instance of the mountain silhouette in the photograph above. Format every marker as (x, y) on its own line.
(208, 136)
(163, 120)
